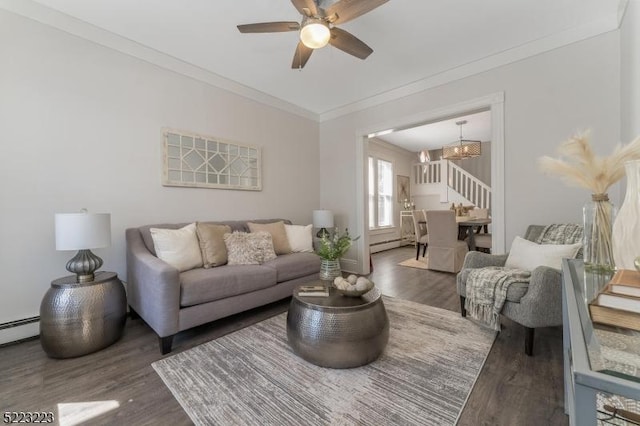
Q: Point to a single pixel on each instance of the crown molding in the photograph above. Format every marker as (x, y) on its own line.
(84, 30)
(535, 47)
(44, 15)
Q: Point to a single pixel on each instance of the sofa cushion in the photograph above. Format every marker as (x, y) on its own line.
(515, 292)
(211, 239)
(278, 235)
(249, 248)
(300, 238)
(294, 265)
(178, 247)
(205, 285)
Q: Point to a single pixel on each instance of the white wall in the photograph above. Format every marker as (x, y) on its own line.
(630, 72)
(402, 161)
(547, 98)
(81, 127)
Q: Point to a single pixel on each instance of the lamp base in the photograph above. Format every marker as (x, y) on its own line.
(84, 264)
(322, 233)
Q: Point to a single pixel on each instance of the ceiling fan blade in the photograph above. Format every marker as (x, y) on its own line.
(309, 5)
(302, 55)
(349, 43)
(269, 27)
(346, 10)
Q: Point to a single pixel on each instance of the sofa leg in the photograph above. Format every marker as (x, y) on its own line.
(165, 344)
(463, 311)
(528, 340)
(133, 314)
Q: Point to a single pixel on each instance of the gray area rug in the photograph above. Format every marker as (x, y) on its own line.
(251, 377)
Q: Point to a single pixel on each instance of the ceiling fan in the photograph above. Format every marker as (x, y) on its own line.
(317, 27)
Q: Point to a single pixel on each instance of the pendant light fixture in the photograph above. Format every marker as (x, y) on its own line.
(464, 148)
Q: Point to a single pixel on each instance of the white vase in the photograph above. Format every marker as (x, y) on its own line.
(626, 228)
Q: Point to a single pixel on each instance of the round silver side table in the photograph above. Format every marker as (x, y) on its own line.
(79, 318)
(338, 331)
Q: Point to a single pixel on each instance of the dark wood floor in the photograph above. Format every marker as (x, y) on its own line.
(512, 389)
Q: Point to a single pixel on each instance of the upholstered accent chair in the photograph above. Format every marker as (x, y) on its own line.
(422, 239)
(445, 251)
(538, 304)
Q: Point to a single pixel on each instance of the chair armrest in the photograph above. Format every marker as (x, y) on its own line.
(476, 259)
(545, 285)
(153, 286)
(543, 299)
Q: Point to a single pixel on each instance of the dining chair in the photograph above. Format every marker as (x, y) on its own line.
(482, 238)
(445, 251)
(422, 239)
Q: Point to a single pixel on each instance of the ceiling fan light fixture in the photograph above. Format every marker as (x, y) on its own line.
(315, 33)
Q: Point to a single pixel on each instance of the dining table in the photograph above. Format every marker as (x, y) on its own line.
(468, 227)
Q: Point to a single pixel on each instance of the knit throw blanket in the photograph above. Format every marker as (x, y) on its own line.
(561, 234)
(487, 291)
(487, 287)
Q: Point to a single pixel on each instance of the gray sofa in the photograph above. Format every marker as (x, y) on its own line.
(170, 301)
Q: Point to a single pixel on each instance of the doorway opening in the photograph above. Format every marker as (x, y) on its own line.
(377, 141)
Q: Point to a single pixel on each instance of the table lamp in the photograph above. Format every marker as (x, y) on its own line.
(322, 219)
(83, 231)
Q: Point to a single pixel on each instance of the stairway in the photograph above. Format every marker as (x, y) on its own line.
(450, 183)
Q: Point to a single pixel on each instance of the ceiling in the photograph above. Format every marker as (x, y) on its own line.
(435, 135)
(413, 41)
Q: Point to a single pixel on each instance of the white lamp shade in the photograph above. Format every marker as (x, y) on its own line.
(322, 219)
(80, 231)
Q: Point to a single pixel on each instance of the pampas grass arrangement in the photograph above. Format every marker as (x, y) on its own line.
(579, 166)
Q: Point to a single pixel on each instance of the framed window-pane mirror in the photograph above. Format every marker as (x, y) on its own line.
(207, 162)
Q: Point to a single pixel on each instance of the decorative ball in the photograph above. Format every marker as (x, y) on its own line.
(353, 287)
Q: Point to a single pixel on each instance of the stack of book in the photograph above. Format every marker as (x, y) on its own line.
(313, 291)
(619, 303)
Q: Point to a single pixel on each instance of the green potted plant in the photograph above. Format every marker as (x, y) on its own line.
(330, 249)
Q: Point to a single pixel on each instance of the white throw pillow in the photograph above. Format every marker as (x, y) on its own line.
(528, 255)
(178, 247)
(300, 238)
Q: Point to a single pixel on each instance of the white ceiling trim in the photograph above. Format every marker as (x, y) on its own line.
(536, 47)
(76, 27)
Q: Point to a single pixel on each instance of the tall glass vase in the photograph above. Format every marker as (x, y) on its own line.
(598, 217)
(330, 269)
(626, 228)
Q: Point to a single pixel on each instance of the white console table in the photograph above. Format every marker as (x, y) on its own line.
(407, 232)
(598, 360)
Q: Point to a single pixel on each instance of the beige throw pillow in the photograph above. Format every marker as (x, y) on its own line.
(278, 235)
(178, 247)
(249, 248)
(300, 238)
(211, 238)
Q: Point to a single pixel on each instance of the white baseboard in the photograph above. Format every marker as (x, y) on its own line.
(386, 246)
(349, 265)
(20, 332)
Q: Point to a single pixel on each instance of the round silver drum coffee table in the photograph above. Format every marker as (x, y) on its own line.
(338, 331)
